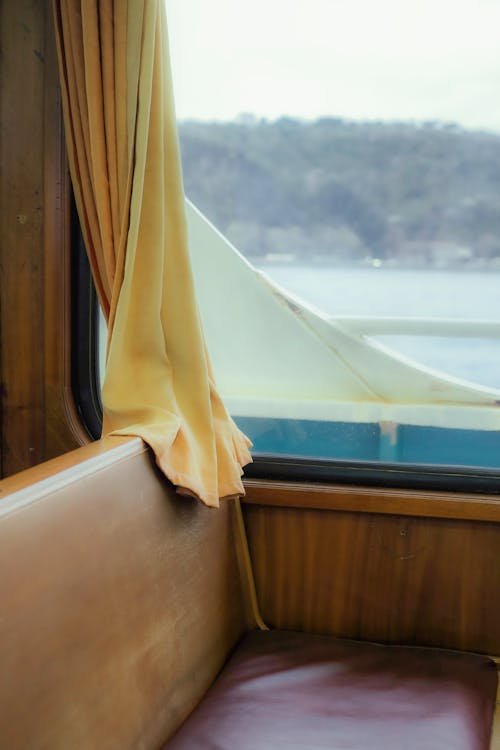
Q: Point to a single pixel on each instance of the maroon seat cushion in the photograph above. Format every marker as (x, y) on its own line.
(294, 691)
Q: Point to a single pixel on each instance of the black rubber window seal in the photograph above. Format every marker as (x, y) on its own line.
(403, 476)
(85, 381)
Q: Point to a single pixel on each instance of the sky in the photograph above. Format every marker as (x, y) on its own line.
(357, 59)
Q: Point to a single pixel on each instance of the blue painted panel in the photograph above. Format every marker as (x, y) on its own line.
(434, 445)
(366, 442)
(312, 439)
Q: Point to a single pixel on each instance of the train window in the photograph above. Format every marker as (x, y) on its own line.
(343, 163)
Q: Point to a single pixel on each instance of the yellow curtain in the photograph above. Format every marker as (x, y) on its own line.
(124, 161)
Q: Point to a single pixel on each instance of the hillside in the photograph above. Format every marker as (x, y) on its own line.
(336, 191)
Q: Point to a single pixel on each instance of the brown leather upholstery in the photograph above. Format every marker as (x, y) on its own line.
(119, 602)
(291, 690)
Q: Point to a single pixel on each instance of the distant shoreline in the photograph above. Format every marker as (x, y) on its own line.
(331, 193)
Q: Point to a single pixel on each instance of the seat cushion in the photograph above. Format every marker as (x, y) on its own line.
(306, 692)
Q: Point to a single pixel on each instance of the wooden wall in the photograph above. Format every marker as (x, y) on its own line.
(325, 562)
(37, 415)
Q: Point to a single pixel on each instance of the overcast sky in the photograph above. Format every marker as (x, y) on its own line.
(368, 59)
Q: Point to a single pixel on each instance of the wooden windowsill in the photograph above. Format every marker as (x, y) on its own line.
(312, 496)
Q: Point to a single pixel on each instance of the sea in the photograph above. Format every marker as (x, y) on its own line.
(423, 293)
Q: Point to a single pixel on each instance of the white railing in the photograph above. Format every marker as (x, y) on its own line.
(446, 327)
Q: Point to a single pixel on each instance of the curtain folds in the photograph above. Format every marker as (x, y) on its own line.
(124, 161)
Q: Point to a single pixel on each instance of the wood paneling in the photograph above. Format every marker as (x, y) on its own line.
(374, 500)
(21, 231)
(34, 253)
(388, 578)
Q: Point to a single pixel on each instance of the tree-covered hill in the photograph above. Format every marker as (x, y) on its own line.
(347, 192)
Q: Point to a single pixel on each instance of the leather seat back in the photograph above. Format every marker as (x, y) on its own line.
(119, 604)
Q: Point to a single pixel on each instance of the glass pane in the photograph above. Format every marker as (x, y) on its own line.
(351, 152)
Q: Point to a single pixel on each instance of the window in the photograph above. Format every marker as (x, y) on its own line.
(343, 159)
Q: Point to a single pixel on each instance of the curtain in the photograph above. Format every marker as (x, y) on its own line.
(124, 161)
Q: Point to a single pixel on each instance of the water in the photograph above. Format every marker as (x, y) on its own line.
(471, 295)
